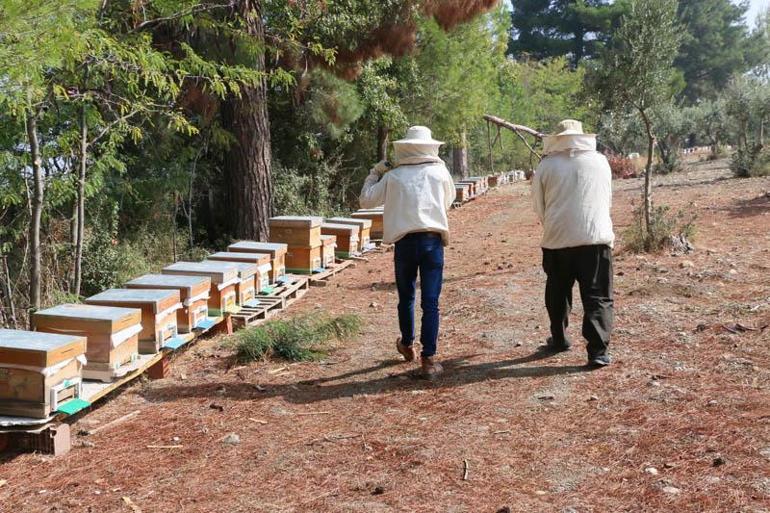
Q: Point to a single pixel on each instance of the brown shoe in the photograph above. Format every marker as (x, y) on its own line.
(408, 352)
(431, 369)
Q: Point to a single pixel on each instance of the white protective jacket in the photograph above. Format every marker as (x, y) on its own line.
(417, 193)
(572, 193)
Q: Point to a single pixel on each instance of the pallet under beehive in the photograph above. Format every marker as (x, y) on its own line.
(193, 293)
(112, 334)
(158, 306)
(223, 276)
(277, 252)
(38, 371)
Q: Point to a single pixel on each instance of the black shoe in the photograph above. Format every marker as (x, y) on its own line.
(599, 361)
(553, 347)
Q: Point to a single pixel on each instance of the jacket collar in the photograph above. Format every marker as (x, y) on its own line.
(558, 143)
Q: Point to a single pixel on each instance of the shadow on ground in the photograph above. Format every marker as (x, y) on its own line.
(459, 372)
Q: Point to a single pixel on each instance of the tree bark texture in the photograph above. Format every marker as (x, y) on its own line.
(81, 199)
(248, 160)
(37, 211)
(383, 135)
(647, 193)
(460, 158)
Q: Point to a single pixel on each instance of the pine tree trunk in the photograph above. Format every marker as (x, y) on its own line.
(37, 211)
(460, 158)
(81, 199)
(247, 163)
(383, 134)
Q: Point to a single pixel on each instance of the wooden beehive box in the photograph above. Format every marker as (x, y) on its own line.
(112, 334)
(38, 371)
(277, 252)
(158, 306)
(494, 181)
(223, 276)
(300, 231)
(480, 182)
(246, 289)
(347, 238)
(193, 292)
(462, 192)
(471, 187)
(376, 216)
(328, 246)
(364, 228)
(302, 260)
(263, 277)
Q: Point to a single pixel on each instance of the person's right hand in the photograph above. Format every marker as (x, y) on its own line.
(381, 167)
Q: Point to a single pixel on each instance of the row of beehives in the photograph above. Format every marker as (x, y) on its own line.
(474, 186)
(43, 369)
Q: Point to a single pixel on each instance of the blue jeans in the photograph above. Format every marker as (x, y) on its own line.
(423, 252)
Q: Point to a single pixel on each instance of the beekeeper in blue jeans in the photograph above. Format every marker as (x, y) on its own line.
(416, 191)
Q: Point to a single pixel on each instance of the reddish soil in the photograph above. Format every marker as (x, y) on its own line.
(688, 394)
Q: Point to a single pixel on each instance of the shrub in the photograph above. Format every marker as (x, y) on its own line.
(665, 227)
(751, 162)
(297, 339)
(622, 167)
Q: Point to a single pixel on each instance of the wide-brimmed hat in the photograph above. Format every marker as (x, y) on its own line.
(569, 127)
(419, 135)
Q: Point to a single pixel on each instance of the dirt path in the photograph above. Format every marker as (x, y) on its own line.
(680, 421)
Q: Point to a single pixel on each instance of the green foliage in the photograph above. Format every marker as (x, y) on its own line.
(546, 29)
(296, 339)
(637, 71)
(749, 162)
(664, 226)
(716, 45)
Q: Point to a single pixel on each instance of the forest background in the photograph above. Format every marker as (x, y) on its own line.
(138, 132)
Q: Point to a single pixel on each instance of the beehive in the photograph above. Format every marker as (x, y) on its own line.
(328, 245)
(472, 189)
(112, 334)
(376, 216)
(159, 307)
(347, 238)
(246, 289)
(462, 191)
(494, 181)
(364, 228)
(299, 231)
(302, 260)
(223, 276)
(277, 252)
(263, 278)
(38, 371)
(193, 293)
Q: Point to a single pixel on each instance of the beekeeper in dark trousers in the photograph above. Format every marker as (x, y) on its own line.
(572, 192)
(416, 193)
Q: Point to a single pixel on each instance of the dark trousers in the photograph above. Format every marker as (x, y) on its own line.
(423, 253)
(591, 267)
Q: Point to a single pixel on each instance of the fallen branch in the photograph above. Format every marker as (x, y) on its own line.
(112, 423)
(314, 413)
(465, 470)
(131, 505)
